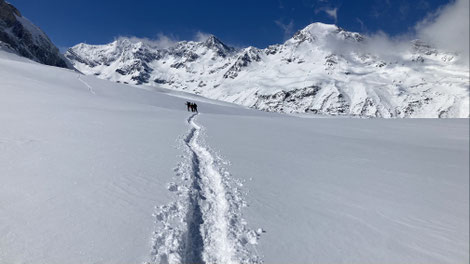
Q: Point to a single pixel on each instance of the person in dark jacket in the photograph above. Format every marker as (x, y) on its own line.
(188, 104)
(195, 107)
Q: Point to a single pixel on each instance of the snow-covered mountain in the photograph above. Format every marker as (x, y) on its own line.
(18, 34)
(322, 69)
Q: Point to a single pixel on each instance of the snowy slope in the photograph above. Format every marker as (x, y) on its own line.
(98, 172)
(322, 69)
(351, 190)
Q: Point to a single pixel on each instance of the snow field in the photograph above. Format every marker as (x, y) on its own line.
(351, 190)
(82, 173)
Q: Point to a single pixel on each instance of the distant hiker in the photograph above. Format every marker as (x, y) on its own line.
(191, 106)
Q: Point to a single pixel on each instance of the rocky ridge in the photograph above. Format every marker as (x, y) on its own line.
(21, 36)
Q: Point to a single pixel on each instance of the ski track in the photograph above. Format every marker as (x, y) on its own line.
(204, 224)
(90, 89)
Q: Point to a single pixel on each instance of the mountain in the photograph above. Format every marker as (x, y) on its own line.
(18, 34)
(93, 171)
(322, 69)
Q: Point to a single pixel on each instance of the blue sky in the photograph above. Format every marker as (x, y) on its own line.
(240, 23)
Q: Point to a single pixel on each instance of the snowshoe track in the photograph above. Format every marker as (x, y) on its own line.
(204, 224)
(194, 243)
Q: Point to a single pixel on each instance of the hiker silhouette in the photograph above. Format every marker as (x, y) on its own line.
(191, 106)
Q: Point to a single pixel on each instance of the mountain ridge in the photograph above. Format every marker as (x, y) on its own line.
(322, 69)
(21, 36)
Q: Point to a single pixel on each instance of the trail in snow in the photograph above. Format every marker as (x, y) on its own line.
(194, 243)
(90, 88)
(204, 225)
(218, 248)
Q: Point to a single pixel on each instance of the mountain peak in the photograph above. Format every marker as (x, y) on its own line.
(212, 39)
(124, 42)
(215, 44)
(8, 12)
(321, 31)
(321, 27)
(313, 31)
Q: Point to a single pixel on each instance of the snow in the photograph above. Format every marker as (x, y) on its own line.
(351, 190)
(98, 172)
(75, 183)
(350, 76)
(222, 251)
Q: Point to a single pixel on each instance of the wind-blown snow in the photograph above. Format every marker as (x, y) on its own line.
(97, 172)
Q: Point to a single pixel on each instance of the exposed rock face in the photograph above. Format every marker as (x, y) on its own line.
(322, 69)
(26, 39)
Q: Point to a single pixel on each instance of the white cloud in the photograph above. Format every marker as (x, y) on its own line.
(387, 48)
(331, 12)
(201, 36)
(162, 41)
(448, 28)
(288, 29)
(165, 41)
